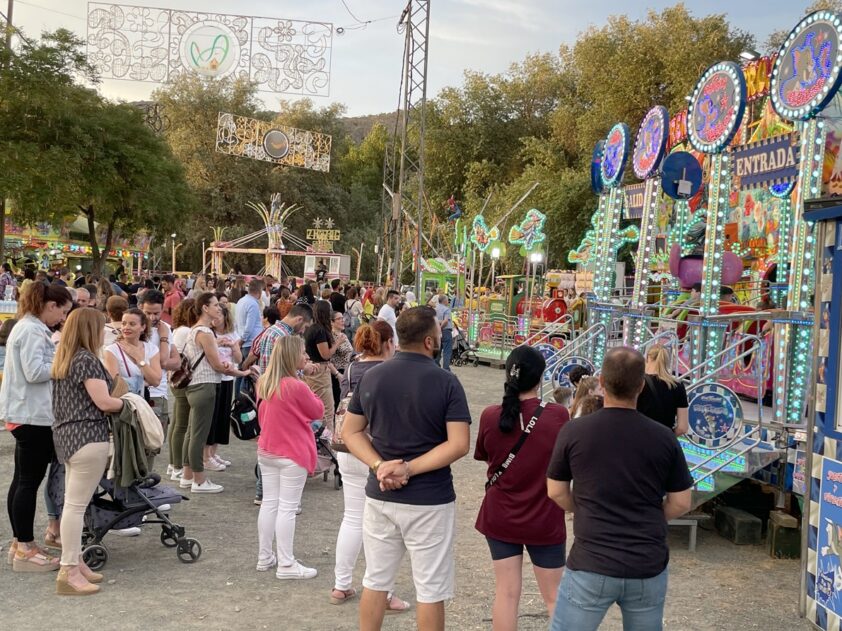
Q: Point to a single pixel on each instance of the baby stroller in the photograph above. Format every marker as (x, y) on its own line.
(114, 508)
(463, 353)
(325, 458)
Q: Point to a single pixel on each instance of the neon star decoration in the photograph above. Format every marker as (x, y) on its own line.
(530, 231)
(481, 235)
(806, 74)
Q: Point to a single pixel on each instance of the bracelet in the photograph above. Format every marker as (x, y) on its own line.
(165, 339)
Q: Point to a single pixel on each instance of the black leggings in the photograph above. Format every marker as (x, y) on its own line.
(33, 453)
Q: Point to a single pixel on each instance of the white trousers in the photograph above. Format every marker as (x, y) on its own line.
(283, 483)
(350, 539)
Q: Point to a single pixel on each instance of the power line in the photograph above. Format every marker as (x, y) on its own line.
(43, 8)
(351, 13)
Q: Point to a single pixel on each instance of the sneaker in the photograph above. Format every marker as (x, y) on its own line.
(165, 508)
(213, 465)
(298, 510)
(267, 565)
(184, 483)
(170, 469)
(134, 531)
(175, 475)
(206, 487)
(258, 501)
(296, 571)
(227, 463)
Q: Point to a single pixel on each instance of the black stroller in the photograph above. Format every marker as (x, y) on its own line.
(463, 353)
(325, 458)
(115, 508)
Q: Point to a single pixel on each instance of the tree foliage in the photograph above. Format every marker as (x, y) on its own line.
(67, 149)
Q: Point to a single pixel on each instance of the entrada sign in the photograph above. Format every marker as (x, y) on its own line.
(771, 161)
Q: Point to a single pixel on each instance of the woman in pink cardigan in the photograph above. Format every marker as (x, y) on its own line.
(286, 453)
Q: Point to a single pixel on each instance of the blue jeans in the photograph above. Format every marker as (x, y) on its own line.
(446, 349)
(238, 382)
(585, 597)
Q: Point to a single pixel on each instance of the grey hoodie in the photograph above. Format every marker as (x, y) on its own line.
(26, 392)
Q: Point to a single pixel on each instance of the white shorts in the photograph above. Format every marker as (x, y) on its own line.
(426, 532)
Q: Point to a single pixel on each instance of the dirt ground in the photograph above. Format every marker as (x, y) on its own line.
(719, 587)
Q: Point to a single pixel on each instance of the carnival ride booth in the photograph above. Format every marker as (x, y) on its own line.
(818, 468)
(441, 275)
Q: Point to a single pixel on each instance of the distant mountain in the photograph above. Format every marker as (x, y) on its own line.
(359, 126)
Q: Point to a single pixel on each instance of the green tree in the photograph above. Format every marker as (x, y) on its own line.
(38, 92)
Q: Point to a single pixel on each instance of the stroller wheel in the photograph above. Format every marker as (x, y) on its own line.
(337, 481)
(95, 556)
(189, 550)
(168, 537)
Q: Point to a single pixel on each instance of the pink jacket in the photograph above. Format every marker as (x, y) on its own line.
(285, 429)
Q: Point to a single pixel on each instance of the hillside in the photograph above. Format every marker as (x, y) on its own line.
(359, 126)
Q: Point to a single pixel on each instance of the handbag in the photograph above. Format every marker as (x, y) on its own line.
(511, 457)
(182, 375)
(337, 444)
(243, 415)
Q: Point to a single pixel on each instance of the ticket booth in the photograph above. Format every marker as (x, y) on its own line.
(821, 597)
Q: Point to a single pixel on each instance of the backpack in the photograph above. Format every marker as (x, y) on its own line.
(243, 415)
(348, 317)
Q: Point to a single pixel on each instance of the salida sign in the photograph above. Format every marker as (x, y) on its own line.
(771, 161)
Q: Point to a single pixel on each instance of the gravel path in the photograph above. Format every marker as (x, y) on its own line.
(719, 587)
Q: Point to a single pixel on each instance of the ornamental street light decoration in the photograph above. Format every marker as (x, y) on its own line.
(646, 161)
(158, 45)
(714, 117)
(805, 79)
(279, 144)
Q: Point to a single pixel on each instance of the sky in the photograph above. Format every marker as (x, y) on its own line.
(480, 35)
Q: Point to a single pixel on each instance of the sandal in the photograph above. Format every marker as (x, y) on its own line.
(396, 605)
(52, 540)
(34, 559)
(344, 595)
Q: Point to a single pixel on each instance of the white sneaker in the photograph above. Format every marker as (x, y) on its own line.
(268, 565)
(206, 487)
(165, 508)
(296, 571)
(227, 463)
(298, 510)
(175, 475)
(184, 483)
(170, 469)
(134, 531)
(213, 465)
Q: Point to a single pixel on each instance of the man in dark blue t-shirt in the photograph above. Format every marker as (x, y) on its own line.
(629, 479)
(417, 416)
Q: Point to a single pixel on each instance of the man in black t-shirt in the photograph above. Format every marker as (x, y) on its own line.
(337, 298)
(622, 465)
(417, 417)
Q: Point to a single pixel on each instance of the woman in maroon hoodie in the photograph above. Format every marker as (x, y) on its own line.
(516, 511)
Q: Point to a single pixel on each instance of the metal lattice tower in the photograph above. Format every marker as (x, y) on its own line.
(403, 166)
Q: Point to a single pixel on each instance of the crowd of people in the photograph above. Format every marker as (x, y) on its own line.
(370, 367)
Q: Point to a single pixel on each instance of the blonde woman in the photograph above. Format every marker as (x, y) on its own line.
(286, 453)
(664, 398)
(81, 403)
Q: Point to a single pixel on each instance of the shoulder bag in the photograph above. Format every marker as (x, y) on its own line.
(511, 457)
(182, 375)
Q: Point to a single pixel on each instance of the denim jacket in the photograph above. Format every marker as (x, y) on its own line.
(26, 392)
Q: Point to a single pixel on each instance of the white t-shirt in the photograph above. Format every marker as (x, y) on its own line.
(112, 333)
(225, 353)
(129, 371)
(179, 338)
(387, 314)
(155, 340)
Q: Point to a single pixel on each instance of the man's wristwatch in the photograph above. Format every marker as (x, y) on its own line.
(373, 468)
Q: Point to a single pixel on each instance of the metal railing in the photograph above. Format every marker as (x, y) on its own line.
(562, 326)
(754, 443)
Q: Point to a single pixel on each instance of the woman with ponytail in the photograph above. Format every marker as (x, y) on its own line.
(664, 398)
(516, 511)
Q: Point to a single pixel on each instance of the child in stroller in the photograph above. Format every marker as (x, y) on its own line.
(114, 508)
(463, 353)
